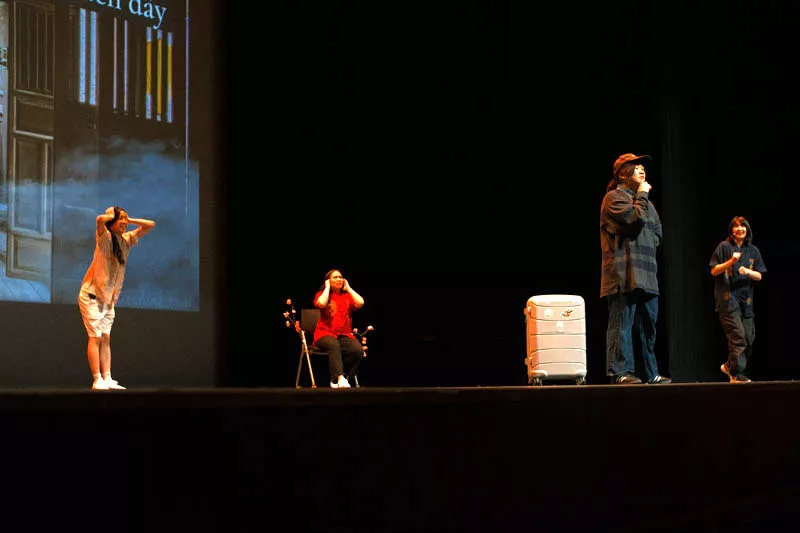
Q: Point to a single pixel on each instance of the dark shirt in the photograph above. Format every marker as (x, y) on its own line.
(730, 287)
(630, 232)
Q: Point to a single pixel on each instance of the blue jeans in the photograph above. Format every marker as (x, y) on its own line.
(628, 314)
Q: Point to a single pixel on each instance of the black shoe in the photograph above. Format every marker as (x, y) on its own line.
(627, 379)
(659, 380)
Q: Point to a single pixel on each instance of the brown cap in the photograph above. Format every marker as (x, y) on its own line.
(627, 158)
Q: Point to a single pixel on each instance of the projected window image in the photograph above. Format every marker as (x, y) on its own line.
(94, 112)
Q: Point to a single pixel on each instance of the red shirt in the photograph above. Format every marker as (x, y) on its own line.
(337, 317)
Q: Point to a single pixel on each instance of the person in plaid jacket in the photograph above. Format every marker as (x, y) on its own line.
(630, 233)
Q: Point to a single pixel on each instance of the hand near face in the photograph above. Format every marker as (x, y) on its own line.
(345, 285)
(644, 187)
(327, 284)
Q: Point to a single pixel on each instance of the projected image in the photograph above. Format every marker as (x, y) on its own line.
(94, 112)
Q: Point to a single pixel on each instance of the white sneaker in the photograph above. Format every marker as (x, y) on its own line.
(113, 384)
(334, 385)
(343, 383)
(99, 384)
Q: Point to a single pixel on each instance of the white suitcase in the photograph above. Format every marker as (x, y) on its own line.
(556, 338)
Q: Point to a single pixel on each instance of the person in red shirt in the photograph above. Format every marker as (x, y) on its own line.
(336, 301)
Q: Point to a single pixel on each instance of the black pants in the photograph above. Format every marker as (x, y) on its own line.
(344, 355)
(741, 333)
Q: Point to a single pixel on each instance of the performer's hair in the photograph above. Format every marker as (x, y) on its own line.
(328, 275)
(740, 221)
(114, 242)
(624, 172)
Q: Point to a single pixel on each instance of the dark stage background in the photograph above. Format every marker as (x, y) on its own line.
(450, 158)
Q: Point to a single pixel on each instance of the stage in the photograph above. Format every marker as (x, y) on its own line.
(698, 456)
